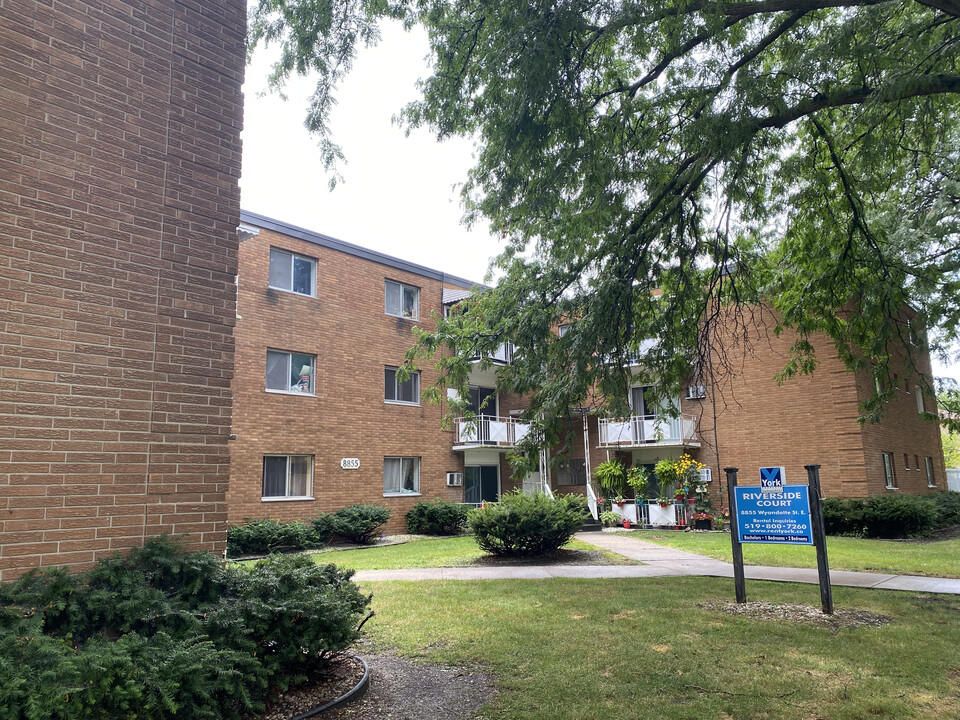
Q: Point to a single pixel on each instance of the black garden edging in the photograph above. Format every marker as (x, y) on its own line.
(355, 693)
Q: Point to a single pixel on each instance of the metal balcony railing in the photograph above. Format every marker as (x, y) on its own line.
(490, 431)
(640, 430)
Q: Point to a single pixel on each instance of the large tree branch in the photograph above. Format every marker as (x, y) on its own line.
(921, 85)
(746, 9)
(950, 7)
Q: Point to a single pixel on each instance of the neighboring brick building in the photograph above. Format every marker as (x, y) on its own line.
(320, 421)
(119, 201)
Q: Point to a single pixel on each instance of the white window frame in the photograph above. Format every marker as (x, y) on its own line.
(918, 391)
(889, 471)
(402, 461)
(312, 390)
(403, 289)
(286, 497)
(293, 256)
(414, 378)
(928, 464)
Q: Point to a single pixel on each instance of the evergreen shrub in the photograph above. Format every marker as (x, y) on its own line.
(526, 525)
(261, 537)
(359, 523)
(163, 633)
(439, 517)
(891, 516)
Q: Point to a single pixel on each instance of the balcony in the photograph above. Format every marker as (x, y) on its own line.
(647, 430)
(503, 355)
(489, 431)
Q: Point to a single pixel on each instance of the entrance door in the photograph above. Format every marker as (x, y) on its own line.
(481, 483)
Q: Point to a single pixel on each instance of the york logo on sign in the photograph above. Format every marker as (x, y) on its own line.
(771, 480)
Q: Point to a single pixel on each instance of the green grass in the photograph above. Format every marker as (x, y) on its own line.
(648, 648)
(446, 552)
(937, 558)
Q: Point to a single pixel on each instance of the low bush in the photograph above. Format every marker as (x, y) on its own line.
(439, 517)
(163, 633)
(358, 523)
(891, 516)
(526, 525)
(260, 537)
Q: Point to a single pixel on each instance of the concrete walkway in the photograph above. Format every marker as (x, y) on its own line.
(661, 561)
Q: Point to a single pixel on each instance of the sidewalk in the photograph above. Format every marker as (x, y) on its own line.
(664, 562)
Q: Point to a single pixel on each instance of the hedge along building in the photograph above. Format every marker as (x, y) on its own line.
(321, 420)
(119, 191)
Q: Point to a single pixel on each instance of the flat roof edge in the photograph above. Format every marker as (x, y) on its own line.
(262, 221)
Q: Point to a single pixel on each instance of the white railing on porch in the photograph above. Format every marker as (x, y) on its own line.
(490, 431)
(638, 430)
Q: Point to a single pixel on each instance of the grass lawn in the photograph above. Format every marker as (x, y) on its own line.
(936, 558)
(647, 648)
(445, 552)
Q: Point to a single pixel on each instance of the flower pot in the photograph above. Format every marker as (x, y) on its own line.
(703, 524)
(626, 524)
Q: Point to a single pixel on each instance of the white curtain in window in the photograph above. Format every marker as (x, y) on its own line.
(278, 369)
(280, 271)
(299, 476)
(391, 475)
(393, 298)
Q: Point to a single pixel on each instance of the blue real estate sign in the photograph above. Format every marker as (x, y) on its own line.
(782, 518)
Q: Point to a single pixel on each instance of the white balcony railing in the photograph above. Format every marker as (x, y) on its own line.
(640, 430)
(503, 355)
(490, 431)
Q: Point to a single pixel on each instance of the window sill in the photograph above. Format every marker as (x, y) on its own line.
(289, 392)
(403, 317)
(290, 292)
(400, 402)
(299, 498)
(402, 494)
(891, 488)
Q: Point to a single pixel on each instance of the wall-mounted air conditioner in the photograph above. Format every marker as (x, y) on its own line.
(454, 479)
(696, 392)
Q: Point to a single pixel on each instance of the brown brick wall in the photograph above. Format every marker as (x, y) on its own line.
(353, 339)
(809, 419)
(119, 161)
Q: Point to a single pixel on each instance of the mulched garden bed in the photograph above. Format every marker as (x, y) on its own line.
(400, 689)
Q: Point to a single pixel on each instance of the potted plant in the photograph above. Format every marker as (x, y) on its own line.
(638, 478)
(612, 478)
(609, 519)
(626, 523)
(702, 521)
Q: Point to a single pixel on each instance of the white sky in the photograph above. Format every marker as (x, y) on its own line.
(400, 194)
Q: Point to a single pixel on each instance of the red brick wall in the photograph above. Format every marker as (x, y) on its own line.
(119, 161)
(353, 339)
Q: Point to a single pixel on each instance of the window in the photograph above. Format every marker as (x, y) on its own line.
(562, 330)
(906, 461)
(931, 482)
(293, 273)
(888, 474)
(401, 475)
(916, 462)
(919, 392)
(402, 300)
(407, 392)
(572, 472)
(287, 477)
(696, 392)
(290, 372)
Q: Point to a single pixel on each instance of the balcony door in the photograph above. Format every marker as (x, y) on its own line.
(481, 483)
(476, 398)
(650, 423)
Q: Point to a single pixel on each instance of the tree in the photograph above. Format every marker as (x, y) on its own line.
(654, 164)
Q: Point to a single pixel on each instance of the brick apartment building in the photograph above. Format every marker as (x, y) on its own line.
(119, 201)
(321, 421)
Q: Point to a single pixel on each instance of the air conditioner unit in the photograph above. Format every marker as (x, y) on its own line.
(696, 392)
(454, 479)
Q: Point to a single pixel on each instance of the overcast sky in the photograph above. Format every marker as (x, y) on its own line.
(400, 194)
